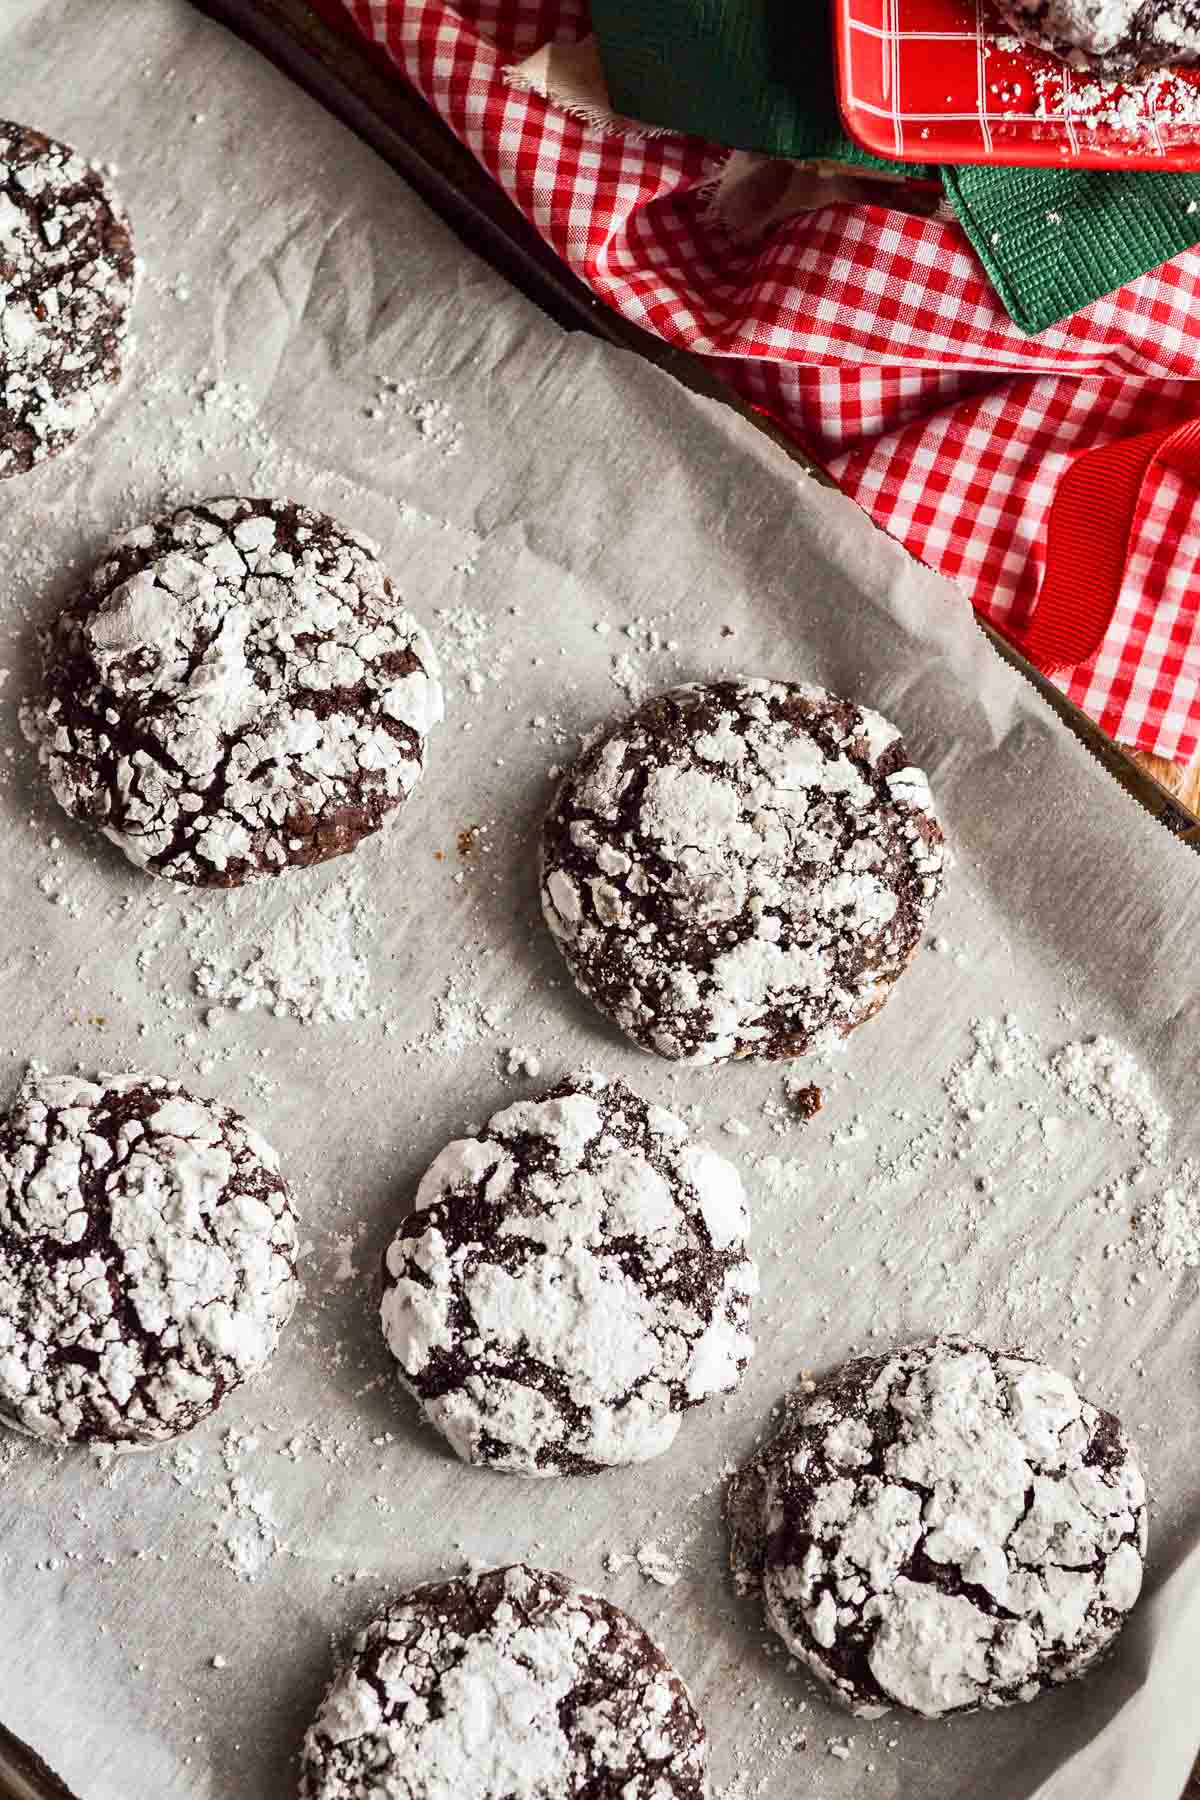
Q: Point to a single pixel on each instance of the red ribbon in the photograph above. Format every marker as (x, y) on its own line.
(1088, 540)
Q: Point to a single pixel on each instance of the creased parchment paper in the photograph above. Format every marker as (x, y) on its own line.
(569, 524)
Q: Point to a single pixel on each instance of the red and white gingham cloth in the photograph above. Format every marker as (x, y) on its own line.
(873, 336)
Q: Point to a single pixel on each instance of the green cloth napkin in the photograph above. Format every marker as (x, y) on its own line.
(759, 75)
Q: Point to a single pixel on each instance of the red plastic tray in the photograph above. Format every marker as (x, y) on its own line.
(946, 81)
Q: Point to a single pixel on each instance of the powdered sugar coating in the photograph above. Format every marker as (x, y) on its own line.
(236, 691)
(945, 1528)
(510, 1685)
(1115, 38)
(66, 288)
(147, 1258)
(740, 868)
(570, 1283)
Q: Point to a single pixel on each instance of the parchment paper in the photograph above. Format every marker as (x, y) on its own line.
(554, 486)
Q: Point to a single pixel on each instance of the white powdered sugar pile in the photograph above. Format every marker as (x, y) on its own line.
(654, 1561)
(657, 1563)
(1098, 1076)
(637, 668)
(460, 1020)
(1086, 1080)
(1170, 1222)
(1094, 1077)
(466, 647)
(1010, 1086)
(398, 399)
(1146, 111)
(246, 1526)
(1024, 1125)
(310, 964)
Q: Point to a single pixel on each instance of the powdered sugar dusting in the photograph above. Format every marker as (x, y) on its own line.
(310, 964)
(1168, 1225)
(468, 649)
(460, 1020)
(990, 1098)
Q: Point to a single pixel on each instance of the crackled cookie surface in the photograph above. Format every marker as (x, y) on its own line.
(740, 868)
(510, 1683)
(572, 1280)
(236, 691)
(147, 1258)
(945, 1528)
(1114, 38)
(66, 288)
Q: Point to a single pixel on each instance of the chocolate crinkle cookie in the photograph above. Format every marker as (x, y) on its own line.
(572, 1280)
(506, 1683)
(741, 868)
(236, 691)
(66, 287)
(1118, 39)
(942, 1529)
(147, 1258)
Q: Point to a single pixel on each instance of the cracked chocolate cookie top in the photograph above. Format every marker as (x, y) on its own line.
(66, 288)
(740, 868)
(570, 1282)
(147, 1258)
(941, 1529)
(1113, 38)
(509, 1683)
(236, 691)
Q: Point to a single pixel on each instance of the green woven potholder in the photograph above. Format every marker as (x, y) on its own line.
(751, 73)
(758, 75)
(1054, 240)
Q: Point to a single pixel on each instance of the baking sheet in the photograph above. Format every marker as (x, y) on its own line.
(573, 526)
